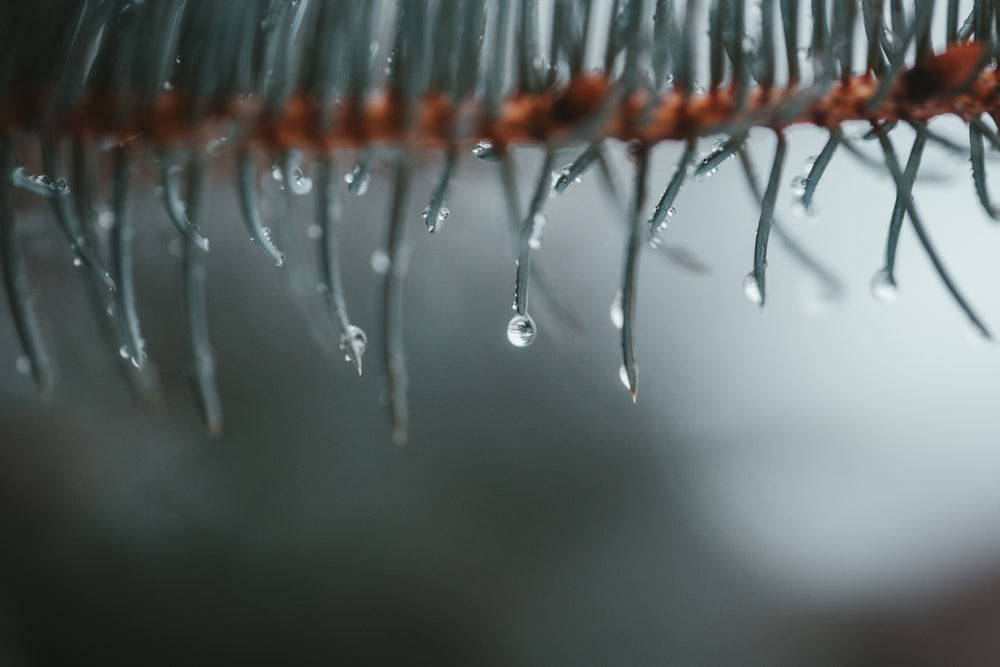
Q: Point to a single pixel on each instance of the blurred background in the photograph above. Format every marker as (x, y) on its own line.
(816, 483)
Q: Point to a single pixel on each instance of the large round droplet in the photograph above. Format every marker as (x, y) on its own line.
(883, 288)
(521, 331)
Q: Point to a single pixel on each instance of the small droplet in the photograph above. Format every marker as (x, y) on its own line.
(883, 288)
(486, 150)
(800, 210)
(751, 289)
(809, 162)
(617, 313)
(537, 230)
(276, 174)
(23, 365)
(623, 376)
(105, 218)
(354, 338)
(60, 186)
(123, 352)
(671, 212)
(77, 262)
(799, 184)
(357, 180)
(301, 184)
(380, 262)
(314, 232)
(521, 331)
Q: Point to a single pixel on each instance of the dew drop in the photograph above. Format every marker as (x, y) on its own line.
(623, 377)
(314, 232)
(751, 290)
(883, 288)
(301, 184)
(77, 262)
(357, 180)
(809, 162)
(486, 150)
(800, 210)
(123, 352)
(537, 230)
(277, 175)
(521, 331)
(799, 184)
(617, 313)
(354, 338)
(105, 218)
(380, 262)
(23, 365)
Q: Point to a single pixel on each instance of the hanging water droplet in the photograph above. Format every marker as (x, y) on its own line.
(301, 184)
(800, 210)
(799, 184)
(123, 352)
(623, 376)
(883, 288)
(380, 262)
(521, 330)
(354, 339)
(60, 186)
(358, 180)
(671, 212)
(277, 175)
(77, 262)
(23, 365)
(443, 214)
(314, 232)
(809, 162)
(486, 150)
(751, 289)
(617, 312)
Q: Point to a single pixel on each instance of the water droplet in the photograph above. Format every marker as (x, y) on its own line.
(537, 230)
(380, 262)
(301, 184)
(358, 180)
(77, 262)
(521, 331)
(177, 60)
(623, 376)
(809, 162)
(617, 313)
(671, 212)
(883, 288)
(443, 214)
(799, 184)
(276, 174)
(751, 289)
(23, 365)
(60, 186)
(314, 232)
(267, 233)
(105, 218)
(800, 210)
(354, 338)
(123, 352)
(486, 150)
